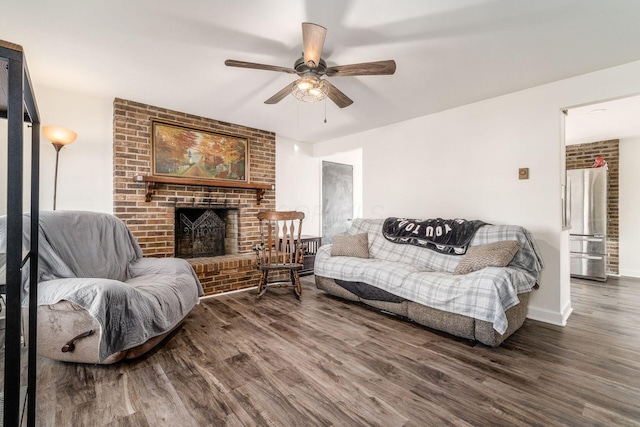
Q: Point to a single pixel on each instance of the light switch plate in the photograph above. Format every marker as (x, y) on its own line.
(523, 173)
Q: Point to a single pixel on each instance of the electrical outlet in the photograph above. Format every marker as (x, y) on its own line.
(523, 173)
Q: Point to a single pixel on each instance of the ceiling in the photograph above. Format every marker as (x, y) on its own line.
(615, 119)
(448, 53)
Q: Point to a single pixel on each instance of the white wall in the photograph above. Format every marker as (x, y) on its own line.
(4, 164)
(85, 170)
(464, 163)
(4, 138)
(298, 180)
(629, 207)
(85, 167)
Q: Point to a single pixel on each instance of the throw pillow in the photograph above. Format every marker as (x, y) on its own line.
(496, 254)
(356, 245)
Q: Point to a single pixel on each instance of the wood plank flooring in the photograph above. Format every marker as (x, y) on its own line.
(323, 361)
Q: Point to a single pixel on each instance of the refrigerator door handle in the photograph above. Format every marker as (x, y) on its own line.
(586, 256)
(568, 203)
(586, 239)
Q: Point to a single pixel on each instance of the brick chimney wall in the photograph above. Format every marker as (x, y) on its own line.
(152, 223)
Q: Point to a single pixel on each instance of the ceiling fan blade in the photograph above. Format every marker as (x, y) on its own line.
(376, 68)
(253, 65)
(280, 95)
(340, 99)
(313, 36)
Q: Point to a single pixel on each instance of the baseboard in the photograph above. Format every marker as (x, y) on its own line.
(630, 273)
(549, 316)
(219, 294)
(566, 312)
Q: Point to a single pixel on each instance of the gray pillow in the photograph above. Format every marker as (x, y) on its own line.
(496, 254)
(356, 245)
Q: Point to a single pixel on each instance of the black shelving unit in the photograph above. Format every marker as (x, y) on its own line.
(18, 106)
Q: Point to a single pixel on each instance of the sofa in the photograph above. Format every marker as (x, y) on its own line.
(99, 300)
(485, 301)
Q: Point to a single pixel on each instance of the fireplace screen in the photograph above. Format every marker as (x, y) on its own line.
(199, 233)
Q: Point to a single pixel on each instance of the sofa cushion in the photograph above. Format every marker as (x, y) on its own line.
(356, 245)
(495, 254)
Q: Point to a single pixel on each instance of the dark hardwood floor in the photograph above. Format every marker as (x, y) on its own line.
(324, 361)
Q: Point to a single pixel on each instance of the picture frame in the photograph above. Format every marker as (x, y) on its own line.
(183, 152)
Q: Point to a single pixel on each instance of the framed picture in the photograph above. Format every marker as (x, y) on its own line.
(184, 152)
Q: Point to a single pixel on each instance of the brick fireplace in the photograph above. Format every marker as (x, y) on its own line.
(154, 223)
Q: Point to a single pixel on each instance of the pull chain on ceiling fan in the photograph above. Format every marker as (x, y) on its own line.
(311, 87)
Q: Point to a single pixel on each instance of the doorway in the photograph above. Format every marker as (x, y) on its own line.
(611, 130)
(337, 199)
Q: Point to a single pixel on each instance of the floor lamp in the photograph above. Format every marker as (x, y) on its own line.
(59, 137)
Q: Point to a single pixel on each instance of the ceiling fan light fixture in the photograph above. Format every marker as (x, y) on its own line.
(311, 67)
(310, 89)
(305, 84)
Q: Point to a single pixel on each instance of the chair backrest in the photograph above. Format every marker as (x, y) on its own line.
(86, 245)
(280, 237)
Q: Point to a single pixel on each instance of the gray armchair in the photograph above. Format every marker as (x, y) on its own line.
(99, 299)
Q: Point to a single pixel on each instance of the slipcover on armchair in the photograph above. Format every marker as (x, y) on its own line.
(99, 299)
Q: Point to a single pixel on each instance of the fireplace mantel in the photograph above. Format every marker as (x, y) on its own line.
(152, 182)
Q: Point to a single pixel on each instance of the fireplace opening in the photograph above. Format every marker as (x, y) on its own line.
(205, 232)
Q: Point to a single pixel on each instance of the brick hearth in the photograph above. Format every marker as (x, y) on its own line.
(152, 223)
(225, 273)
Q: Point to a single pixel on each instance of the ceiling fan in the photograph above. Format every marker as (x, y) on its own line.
(310, 87)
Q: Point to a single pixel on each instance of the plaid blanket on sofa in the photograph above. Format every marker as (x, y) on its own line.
(424, 276)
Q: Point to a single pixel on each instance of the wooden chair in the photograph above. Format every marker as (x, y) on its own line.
(280, 249)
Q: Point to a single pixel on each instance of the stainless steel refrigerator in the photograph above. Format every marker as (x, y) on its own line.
(588, 213)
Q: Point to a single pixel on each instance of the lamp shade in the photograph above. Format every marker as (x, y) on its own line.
(59, 135)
